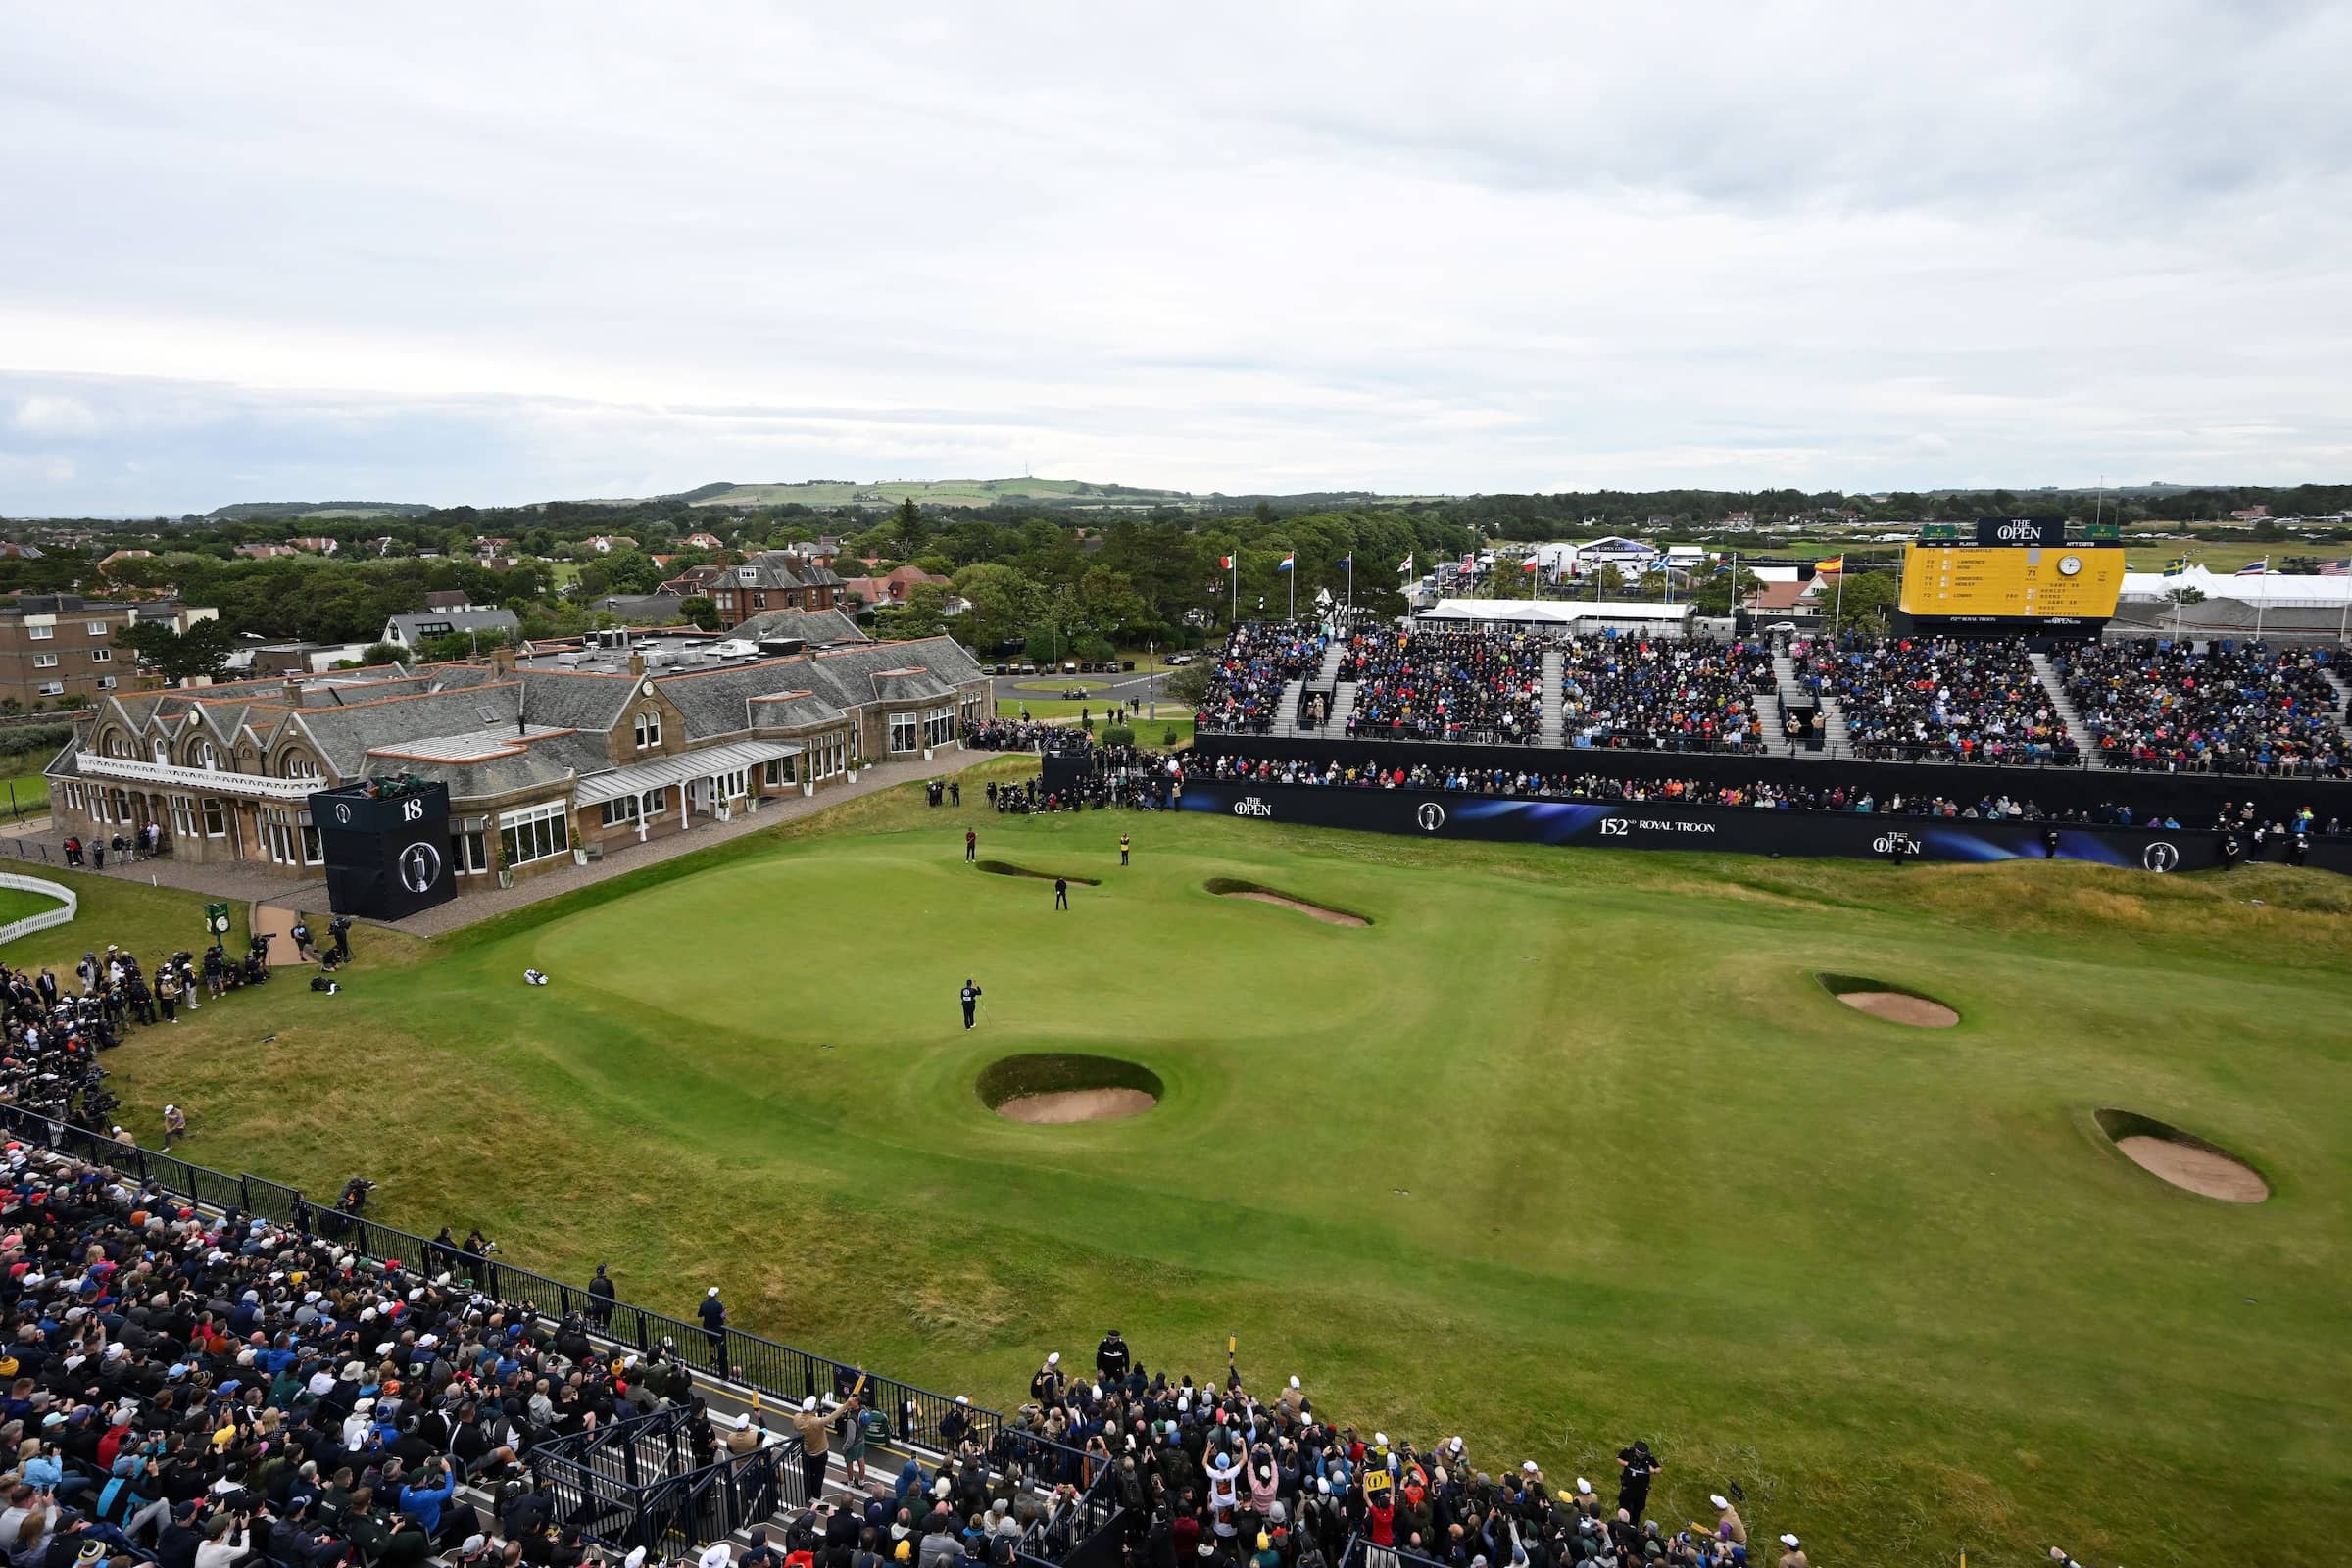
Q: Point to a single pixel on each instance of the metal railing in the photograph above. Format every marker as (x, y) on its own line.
(639, 1483)
(919, 1415)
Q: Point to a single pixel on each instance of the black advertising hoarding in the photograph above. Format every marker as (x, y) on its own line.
(2039, 533)
(387, 854)
(1739, 830)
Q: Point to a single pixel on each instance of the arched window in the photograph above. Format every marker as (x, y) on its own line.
(163, 750)
(205, 756)
(301, 767)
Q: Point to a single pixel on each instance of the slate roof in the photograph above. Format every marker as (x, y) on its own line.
(815, 627)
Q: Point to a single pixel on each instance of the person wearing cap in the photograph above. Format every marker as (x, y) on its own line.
(1636, 1466)
(1112, 1357)
(811, 1424)
(713, 1313)
(1794, 1553)
(1045, 1388)
(176, 1124)
(1729, 1527)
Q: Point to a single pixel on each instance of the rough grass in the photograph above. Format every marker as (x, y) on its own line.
(1563, 1150)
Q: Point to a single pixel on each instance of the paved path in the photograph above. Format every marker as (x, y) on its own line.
(277, 920)
(34, 843)
(467, 908)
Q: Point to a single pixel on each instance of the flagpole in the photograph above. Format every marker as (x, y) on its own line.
(1352, 587)
(1293, 575)
(1837, 612)
(1235, 558)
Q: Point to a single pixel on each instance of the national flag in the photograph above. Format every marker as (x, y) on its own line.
(2254, 568)
(1287, 562)
(1224, 562)
(2176, 566)
(1527, 565)
(1348, 561)
(2335, 568)
(1405, 571)
(1829, 566)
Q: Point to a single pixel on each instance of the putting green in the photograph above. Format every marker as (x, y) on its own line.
(1085, 682)
(1563, 1148)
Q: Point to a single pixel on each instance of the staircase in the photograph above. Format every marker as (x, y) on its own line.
(1837, 741)
(1331, 665)
(2343, 699)
(1341, 708)
(2085, 741)
(1286, 716)
(1553, 731)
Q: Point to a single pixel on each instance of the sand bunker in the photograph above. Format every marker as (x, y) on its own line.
(2184, 1161)
(1008, 868)
(1077, 1105)
(1890, 1002)
(1227, 888)
(1058, 1088)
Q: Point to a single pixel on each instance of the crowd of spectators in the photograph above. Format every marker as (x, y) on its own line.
(1939, 698)
(1759, 794)
(1212, 1475)
(1413, 685)
(1662, 692)
(1252, 669)
(57, 1025)
(2231, 707)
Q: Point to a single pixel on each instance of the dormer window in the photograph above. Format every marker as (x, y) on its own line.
(649, 731)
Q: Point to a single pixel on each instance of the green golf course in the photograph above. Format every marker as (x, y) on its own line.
(1561, 1149)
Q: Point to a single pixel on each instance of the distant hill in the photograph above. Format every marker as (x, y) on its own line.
(937, 493)
(247, 510)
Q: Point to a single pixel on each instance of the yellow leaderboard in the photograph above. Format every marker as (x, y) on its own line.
(2075, 581)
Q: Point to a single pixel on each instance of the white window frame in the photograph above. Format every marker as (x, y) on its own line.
(780, 772)
(735, 785)
(50, 688)
(939, 727)
(40, 634)
(96, 628)
(105, 683)
(649, 731)
(102, 656)
(44, 661)
(621, 810)
(544, 829)
(216, 810)
(184, 816)
(469, 852)
(75, 799)
(911, 726)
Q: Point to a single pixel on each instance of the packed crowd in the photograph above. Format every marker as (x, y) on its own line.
(1445, 686)
(1211, 1475)
(1024, 735)
(1759, 794)
(55, 1026)
(1257, 661)
(1936, 698)
(2229, 708)
(1662, 692)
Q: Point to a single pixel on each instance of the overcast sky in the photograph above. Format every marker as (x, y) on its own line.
(508, 252)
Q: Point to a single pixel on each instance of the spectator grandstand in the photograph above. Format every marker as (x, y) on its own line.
(2229, 708)
(1663, 694)
(1258, 662)
(1419, 685)
(1937, 699)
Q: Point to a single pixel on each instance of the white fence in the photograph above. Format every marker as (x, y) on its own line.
(47, 918)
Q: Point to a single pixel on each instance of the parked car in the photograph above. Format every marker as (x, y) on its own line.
(1028, 669)
(1127, 665)
(1179, 658)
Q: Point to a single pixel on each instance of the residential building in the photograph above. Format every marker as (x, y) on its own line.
(703, 541)
(774, 579)
(58, 650)
(569, 752)
(9, 549)
(694, 580)
(447, 598)
(891, 588)
(413, 631)
(315, 544)
(605, 544)
(266, 552)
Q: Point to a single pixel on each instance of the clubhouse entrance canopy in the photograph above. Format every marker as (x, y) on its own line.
(693, 767)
